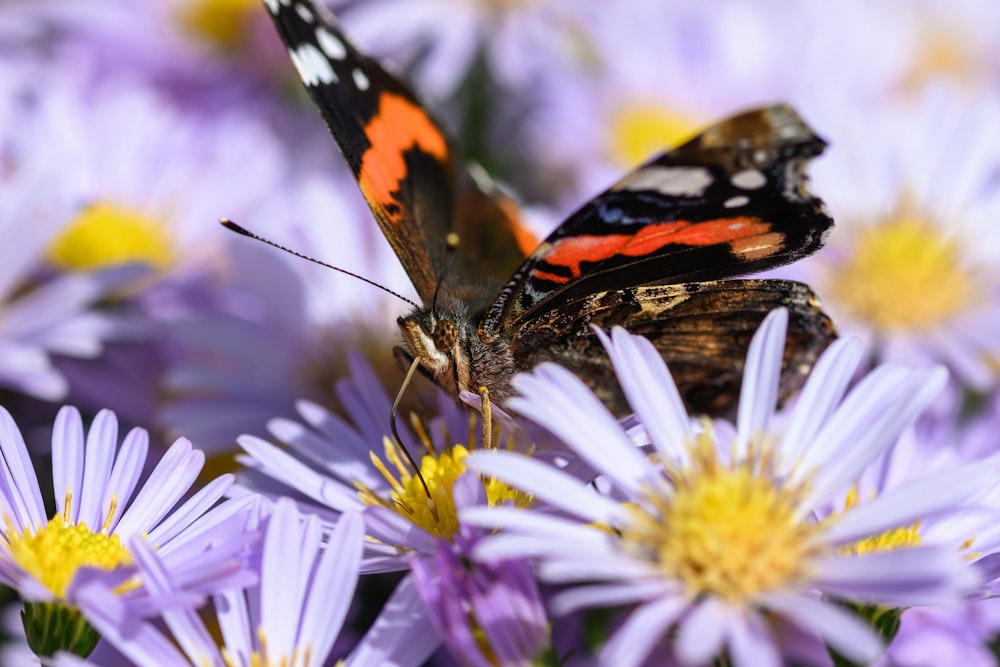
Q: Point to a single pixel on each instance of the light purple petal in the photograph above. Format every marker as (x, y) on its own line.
(632, 643)
(610, 595)
(822, 393)
(126, 472)
(402, 635)
(332, 587)
(559, 401)
(761, 376)
(912, 502)
(650, 390)
(170, 480)
(702, 633)
(67, 459)
(902, 577)
(185, 515)
(750, 642)
(20, 485)
(102, 442)
(291, 471)
(547, 484)
(842, 630)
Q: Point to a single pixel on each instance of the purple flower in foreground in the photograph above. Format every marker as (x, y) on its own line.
(307, 582)
(100, 508)
(717, 545)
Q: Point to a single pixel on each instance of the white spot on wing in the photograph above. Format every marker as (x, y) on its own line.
(675, 181)
(312, 66)
(331, 46)
(304, 13)
(737, 201)
(360, 80)
(272, 6)
(750, 179)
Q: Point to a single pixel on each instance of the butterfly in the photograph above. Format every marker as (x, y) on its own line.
(655, 253)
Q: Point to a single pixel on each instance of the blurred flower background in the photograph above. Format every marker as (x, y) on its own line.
(129, 127)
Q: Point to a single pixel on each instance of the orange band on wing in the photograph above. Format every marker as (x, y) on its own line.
(572, 251)
(398, 126)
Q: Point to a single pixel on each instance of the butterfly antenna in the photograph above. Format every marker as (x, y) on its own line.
(232, 226)
(395, 433)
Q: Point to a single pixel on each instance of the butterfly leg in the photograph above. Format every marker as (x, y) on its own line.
(484, 396)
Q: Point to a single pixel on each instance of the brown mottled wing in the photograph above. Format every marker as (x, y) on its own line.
(702, 330)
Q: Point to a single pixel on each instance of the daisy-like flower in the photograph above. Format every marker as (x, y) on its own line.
(292, 617)
(100, 506)
(912, 267)
(411, 520)
(716, 543)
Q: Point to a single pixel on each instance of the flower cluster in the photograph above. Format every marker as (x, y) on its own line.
(201, 462)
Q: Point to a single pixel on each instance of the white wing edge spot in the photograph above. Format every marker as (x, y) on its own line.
(272, 6)
(675, 181)
(360, 80)
(736, 202)
(332, 47)
(304, 13)
(313, 68)
(749, 179)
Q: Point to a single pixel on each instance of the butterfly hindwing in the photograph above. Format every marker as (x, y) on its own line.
(702, 330)
(729, 202)
(403, 158)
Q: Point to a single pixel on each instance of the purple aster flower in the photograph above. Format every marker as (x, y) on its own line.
(293, 617)
(487, 614)
(705, 571)
(912, 267)
(100, 506)
(333, 462)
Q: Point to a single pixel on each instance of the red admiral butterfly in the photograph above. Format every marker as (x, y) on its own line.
(648, 254)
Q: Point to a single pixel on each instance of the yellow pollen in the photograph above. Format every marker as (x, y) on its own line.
(903, 274)
(224, 23)
(638, 131)
(105, 235)
(897, 538)
(944, 55)
(407, 497)
(54, 553)
(728, 529)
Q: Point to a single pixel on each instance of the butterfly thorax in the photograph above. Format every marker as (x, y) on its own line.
(452, 353)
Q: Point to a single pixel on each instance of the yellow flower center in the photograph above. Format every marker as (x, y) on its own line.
(897, 538)
(944, 55)
(435, 514)
(903, 274)
(56, 551)
(263, 658)
(639, 130)
(728, 530)
(220, 22)
(105, 235)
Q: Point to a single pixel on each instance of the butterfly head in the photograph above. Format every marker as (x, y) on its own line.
(436, 341)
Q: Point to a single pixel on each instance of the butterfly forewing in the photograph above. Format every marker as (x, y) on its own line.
(403, 158)
(731, 201)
